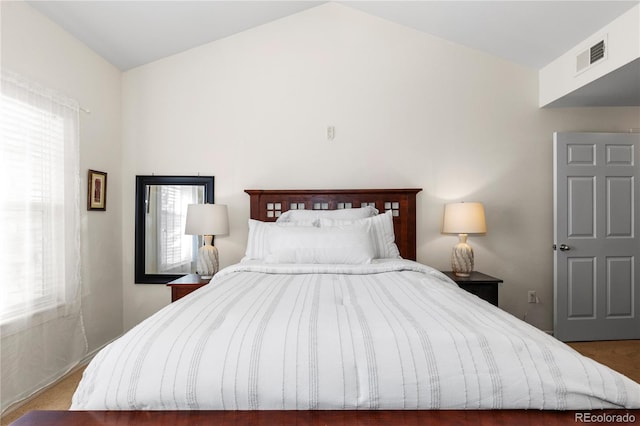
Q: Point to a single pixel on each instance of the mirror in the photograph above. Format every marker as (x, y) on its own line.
(163, 252)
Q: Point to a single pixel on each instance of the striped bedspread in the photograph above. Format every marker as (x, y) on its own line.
(391, 335)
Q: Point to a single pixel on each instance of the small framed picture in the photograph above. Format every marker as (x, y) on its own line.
(97, 197)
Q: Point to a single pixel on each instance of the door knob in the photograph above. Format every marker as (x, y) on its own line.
(564, 247)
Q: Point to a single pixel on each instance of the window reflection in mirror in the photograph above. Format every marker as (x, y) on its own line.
(163, 251)
(167, 249)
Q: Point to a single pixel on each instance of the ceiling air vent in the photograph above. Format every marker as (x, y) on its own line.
(590, 56)
(597, 52)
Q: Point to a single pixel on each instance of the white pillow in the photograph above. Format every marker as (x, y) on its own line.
(258, 240)
(383, 237)
(349, 244)
(313, 215)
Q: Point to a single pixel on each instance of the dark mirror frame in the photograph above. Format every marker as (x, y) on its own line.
(141, 277)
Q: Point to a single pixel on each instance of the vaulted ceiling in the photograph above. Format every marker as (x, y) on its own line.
(132, 33)
(531, 33)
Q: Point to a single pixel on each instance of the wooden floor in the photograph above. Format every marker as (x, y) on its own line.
(622, 356)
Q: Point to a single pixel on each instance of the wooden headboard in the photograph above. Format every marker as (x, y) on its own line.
(267, 205)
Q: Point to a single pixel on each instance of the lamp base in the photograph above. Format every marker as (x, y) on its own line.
(462, 257)
(208, 261)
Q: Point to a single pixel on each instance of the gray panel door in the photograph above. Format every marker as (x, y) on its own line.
(596, 218)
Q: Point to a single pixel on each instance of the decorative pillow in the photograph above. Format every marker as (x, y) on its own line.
(313, 215)
(349, 244)
(382, 235)
(258, 240)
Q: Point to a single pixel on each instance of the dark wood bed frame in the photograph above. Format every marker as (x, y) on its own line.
(312, 418)
(267, 205)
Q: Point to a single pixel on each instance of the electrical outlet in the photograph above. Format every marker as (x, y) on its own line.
(532, 298)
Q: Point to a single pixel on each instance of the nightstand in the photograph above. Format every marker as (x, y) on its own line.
(482, 285)
(185, 285)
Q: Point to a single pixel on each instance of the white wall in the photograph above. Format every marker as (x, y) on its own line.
(622, 47)
(37, 48)
(409, 109)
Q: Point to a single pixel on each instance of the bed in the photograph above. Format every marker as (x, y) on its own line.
(301, 325)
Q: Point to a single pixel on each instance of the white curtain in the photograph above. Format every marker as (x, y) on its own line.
(42, 334)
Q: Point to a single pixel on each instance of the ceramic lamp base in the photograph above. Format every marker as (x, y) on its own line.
(462, 257)
(208, 261)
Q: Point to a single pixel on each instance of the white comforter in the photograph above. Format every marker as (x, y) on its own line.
(391, 335)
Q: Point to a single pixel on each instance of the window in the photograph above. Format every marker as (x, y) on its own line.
(39, 182)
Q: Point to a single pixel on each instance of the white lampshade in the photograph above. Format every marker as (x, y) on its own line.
(207, 219)
(464, 218)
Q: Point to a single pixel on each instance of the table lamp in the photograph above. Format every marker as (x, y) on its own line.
(207, 220)
(463, 219)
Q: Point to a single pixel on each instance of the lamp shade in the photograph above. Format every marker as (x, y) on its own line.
(207, 219)
(464, 218)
